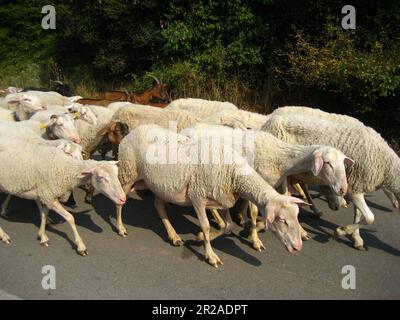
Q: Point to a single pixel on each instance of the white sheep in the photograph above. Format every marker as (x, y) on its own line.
(20, 106)
(45, 174)
(50, 97)
(237, 119)
(79, 112)
(68, 147)
(333, 200)
(7, 115)
(114, 106)
(201, 108)
(204, 184)
(365, 146)
(276, 160)
(135, 115)
(92, 134)
(57, 127)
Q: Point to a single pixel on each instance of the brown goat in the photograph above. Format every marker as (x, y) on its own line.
(157, 92)
(112, 136)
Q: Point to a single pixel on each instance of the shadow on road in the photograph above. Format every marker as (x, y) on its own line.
(318, 226)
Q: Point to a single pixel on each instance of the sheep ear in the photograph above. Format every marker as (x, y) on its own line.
(86, 173)
(348, 161)
(270, 214)
(298, 201)
(317, 164)
(113, 162)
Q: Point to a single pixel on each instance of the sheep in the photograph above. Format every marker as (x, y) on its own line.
(332, 199)
(43, 174)
(7, 115)
(92, 135)
(83, 112)
(117, 105)
(50, 98)
(57, 127)
(201, 184)
(363, 144)
(275, 160)
(237, 119)
(100, 111)
(69, 148)
(20, 106)
(79, 112)
(200, 107)
(135, 115)
(56, 86)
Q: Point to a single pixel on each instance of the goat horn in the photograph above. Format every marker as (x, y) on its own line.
(157, 80)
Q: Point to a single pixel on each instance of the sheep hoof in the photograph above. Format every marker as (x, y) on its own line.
(305, 237)
(6, 239)
(4, 214)
(360, 248)
(177, 242)
(336, 235)
(83, 252)
(123, 233)
(44, 243)
(214, 261)
(259, 246)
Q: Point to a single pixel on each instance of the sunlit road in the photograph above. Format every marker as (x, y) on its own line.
(145, 266)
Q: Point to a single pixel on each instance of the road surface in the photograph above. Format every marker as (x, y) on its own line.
(145, 266)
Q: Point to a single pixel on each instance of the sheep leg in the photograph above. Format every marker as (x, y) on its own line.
(5, 205)
(44, 240)
(243, 212)
(218, 219)
(210, 255)
(120, 226)
(228, 223)
(316, 211)
(255, 240)
(4, 237)
(359, 206)
(304, 234)
(392, 198)
(162, 212)
(300, 190)
(358, 241)
(57, 207)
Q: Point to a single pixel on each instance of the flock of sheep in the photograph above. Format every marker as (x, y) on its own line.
(46, 141)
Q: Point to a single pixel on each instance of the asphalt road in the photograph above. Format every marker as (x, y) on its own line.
(145, 266)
